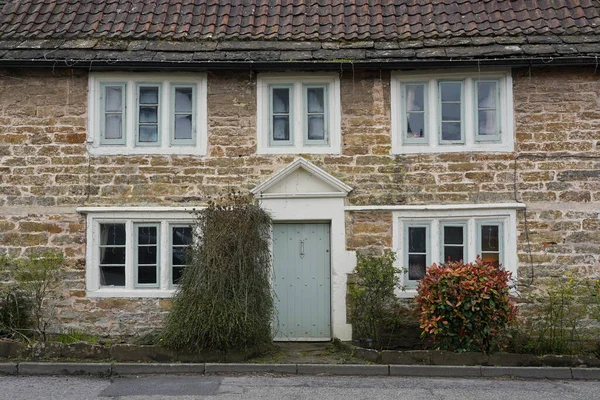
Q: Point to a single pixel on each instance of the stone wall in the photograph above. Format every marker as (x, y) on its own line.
(45, 172)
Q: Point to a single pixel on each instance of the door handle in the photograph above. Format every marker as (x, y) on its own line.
(301, 248)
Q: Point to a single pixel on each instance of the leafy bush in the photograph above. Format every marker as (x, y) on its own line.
(556, 317)
(36, 279)
(15, 312)
(225, 299)
(371, 299)
(466, 307)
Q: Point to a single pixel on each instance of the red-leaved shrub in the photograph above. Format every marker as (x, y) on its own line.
(466, 307)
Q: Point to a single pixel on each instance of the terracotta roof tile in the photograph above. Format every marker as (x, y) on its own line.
(338, 20)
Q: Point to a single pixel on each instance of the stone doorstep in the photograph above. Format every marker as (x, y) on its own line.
(48, 368)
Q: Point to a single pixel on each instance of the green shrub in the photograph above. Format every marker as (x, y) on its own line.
(371, 298)
(466, 307)
(36, 279)
(225, 299)
(556, 318)
(15, 313)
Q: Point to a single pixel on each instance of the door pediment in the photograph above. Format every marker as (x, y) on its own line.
(301, 179)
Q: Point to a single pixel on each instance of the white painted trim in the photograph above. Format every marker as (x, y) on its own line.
(165, 216)
(342, 262)
(310, 167)
(471, 215)
(130, 293)
(434, 146)
(132, 79)
(439, 207)
(301, 195)
(132, 209)
(296, 79)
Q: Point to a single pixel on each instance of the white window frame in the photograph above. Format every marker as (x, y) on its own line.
(437, 216)
(163, 217)
(130, 144)
(504, 142)
(171, 245)
(299, 82)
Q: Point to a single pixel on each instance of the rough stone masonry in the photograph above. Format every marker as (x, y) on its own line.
(46, 172)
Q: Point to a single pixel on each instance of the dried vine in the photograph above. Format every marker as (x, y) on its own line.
(225, 300)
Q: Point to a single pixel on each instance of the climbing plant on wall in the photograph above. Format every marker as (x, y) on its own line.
(225, 299)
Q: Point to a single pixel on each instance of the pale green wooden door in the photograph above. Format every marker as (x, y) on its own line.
(302, 281)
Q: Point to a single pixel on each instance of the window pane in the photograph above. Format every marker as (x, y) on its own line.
(487, 123)
(453, 235)
(113, 126)
(281, 101)
(281, 127)
(316, 128)
(147, 255)
(451, 91)
(450, 112)
(183, 100)
(416, 266)
(415, 100)
(149, 115)
(415, 125)
(182, 236)
(148, 95)
(489, 238)
(112, 276)
(114, 99)
(179, 256)
(453, 253)
(112, 234)
(147, 235)
(148, 133)
(183, 127)
(316, 100)
(147, 274)
(451, 131)
(417, 241)
(112, 255)
(177, 274)
(486, 94)
(491, 258)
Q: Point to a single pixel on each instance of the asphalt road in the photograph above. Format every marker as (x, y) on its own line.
(293, 387)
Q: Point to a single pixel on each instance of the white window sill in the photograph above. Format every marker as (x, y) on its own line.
(294, 150)
(108, 150)
(129, 293)
(406, 294)
(479, 147)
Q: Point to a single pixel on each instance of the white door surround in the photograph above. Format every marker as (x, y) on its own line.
(303, 192)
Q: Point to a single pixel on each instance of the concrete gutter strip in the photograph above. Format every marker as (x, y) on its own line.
(49, 368)
(437, 370)
(586, 373)
(342, 369)
(8, 368)
(213, 368)
(35, 368)
(528, 372)
(150, 368)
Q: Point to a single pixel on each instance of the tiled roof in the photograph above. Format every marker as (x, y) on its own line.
(196, 33)
(295, 20)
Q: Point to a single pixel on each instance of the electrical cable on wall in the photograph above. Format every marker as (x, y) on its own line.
(516, 196)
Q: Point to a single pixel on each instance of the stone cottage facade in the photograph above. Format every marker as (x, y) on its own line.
(445, 130)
